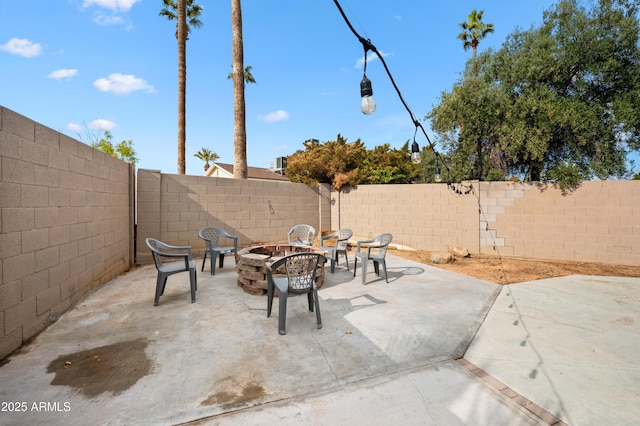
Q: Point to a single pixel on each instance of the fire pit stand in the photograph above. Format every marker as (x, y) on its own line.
(252, 270)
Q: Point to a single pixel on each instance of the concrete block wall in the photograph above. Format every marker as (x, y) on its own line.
(598, 222)
(66, 224)
(173, 208)
(425, 217)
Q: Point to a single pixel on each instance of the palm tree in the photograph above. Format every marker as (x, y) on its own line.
(181, 11)
(248, 77)
(474, 30)
(239, 124)
(206, 155)
(193, 12)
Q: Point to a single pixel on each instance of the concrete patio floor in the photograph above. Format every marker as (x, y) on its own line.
(429, 347)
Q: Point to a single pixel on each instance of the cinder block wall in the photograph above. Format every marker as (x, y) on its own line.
(66, 224)
(173, 208)
(426, 216)
(598, 222)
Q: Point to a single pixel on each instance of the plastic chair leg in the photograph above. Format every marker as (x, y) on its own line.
(204, 259)
(365, 262)
(269, 299)
(213, 257)
(160, 283)
(310, 300)
(194, 284)
(346, 260)
(317, 302)
(282, 313)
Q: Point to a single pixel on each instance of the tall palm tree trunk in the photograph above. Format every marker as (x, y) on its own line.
(182, 84)
(239, 124)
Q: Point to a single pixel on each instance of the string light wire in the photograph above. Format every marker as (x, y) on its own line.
(367, 45)
(460, 189)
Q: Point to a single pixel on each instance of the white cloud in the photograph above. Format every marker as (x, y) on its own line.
(115, 5)
(272, 117)
(63, 73)
(105, 20)
(22, 47)
(371, 56)
(102, 124)
(122, 84)
(73, 127)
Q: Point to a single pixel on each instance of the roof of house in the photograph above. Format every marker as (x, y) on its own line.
(252, 172)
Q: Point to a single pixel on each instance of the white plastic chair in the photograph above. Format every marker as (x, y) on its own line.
(342, 238)
(376, 250)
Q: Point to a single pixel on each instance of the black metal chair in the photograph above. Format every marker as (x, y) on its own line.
(376, 250)
(212, 237)
(298, 277)
(342, 238)
(160, 250)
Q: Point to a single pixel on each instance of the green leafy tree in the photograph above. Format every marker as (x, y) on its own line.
(466, 121)
(474, 30)
(336, 162)
(123, 150)
(557, 103)
(206, 155)
(344, 164)
(186, 13)
(386, 165)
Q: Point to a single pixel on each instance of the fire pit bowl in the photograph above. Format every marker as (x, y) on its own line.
(252, 270)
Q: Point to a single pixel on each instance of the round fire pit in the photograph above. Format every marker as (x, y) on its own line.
(252, 270)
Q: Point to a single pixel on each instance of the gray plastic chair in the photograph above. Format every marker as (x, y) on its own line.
(160, 250)
(302, 235)
(212, 237)
(340, 246)
(376, 250)
(300, 279)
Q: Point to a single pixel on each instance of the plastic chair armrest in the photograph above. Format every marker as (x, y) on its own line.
(363, 242)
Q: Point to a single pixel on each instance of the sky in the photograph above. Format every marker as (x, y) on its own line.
(81, 66)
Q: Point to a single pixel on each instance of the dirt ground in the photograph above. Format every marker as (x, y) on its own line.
(508, 270)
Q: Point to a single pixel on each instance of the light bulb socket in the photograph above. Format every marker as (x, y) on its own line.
(365, 87)
(415, 147)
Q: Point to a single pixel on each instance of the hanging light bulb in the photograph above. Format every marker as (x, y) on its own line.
(437, 177)
(368, 104)
(415, 153)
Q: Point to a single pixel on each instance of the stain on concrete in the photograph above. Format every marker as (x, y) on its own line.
(111, 368)
(236, 399)
(625, 320)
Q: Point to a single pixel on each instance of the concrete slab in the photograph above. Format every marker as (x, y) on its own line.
(568, 344)
(385, 354)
